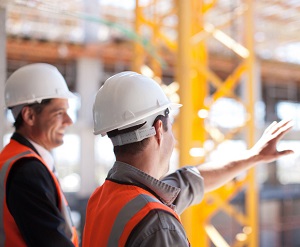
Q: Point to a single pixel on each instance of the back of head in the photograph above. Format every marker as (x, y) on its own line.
(126, 106)
(33, 83)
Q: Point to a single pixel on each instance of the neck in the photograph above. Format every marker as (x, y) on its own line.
(25, 132)
(28, 133)
(146, 161)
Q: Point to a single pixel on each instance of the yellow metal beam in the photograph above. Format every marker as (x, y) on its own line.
(195, 77)
(251, 192)
(186, 78)
(201, 77)
(139, 52)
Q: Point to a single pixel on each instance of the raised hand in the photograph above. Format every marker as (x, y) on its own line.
(265, 149)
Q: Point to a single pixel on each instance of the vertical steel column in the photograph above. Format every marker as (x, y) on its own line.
(197, 220)
(137, 62)
(183, 75)
(252, 191)
(193, 91)
(195, 77)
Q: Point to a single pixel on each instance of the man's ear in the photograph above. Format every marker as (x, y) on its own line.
(28, 115)
(159, 131)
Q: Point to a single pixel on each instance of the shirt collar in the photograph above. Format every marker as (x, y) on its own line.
(45, 154)
(126, 173)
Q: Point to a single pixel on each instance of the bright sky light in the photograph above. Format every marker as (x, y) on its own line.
(289, 53)
(128, 4)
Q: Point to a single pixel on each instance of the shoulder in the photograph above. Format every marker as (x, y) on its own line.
(158, 228)
(30, 165)
(28, 172)
(29, 180)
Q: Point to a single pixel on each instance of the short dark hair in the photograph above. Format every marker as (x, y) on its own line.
(37, 107)
(136, 147)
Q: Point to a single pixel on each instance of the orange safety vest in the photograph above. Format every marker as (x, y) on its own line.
(10, 235)
(114, 210)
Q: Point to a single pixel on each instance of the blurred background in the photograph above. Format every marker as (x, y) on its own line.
(233, 64)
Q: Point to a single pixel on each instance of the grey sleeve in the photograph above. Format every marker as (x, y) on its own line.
(191, 185)
(158, 228)
(164, 238)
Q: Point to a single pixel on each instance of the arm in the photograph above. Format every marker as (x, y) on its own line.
(191, 185)
(216, 174)
(32, 200)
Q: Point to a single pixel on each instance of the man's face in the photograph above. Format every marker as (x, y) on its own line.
(49, 125)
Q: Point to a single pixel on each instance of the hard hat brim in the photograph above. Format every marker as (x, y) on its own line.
(65, 95)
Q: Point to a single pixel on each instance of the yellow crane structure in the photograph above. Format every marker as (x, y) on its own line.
(181, 27)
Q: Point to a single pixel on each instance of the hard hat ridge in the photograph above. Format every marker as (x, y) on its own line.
(33, 83)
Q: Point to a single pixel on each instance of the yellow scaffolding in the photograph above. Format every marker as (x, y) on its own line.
(195, 79)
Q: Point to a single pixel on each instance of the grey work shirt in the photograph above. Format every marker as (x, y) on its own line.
(178, 190)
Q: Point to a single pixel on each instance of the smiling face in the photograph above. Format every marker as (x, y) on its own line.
(48, 126)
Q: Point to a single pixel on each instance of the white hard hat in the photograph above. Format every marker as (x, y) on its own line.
(128, 99)
(34, 83)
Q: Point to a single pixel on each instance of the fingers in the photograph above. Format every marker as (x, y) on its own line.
(280, 131)
(285, 152)
(270, 126)
(283, 125)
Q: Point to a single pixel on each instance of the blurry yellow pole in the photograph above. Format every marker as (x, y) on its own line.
(195, 232)
(137, 62)
(184, 79)
(252, 191)
(195, 77)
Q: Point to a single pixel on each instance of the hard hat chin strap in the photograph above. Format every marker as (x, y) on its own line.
(133, 136)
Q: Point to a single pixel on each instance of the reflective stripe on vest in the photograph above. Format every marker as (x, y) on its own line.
(7, 223)
(3, 176)
(124, 216)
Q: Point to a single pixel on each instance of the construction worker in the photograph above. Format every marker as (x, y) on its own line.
(137, 205)
(34, 211)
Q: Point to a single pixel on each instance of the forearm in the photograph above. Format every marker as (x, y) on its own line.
(216, 174)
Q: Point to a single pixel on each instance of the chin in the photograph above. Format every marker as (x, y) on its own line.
(57, 144)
